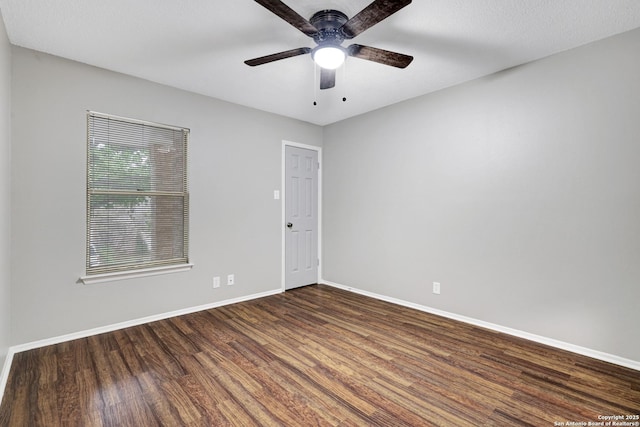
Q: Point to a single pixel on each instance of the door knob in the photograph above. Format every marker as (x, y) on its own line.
(289, 225)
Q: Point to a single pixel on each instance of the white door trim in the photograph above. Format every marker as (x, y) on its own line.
(286, 143)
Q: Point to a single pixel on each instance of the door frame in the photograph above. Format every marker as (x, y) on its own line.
(283, 205)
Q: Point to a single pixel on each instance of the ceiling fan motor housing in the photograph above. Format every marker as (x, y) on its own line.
(329, 23)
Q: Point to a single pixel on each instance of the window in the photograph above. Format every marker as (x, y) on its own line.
(137, 199)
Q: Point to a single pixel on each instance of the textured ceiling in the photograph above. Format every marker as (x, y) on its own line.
(200, 45)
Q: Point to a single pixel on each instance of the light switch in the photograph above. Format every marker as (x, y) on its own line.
(276, 194)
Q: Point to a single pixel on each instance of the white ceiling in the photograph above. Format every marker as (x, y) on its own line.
(200, 45)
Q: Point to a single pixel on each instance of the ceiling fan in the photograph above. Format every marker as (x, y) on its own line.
(329, 28)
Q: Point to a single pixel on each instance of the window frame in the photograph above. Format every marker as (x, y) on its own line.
(143, 269)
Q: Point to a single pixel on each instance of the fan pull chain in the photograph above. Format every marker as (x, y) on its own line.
(315, 83)
(344, 79)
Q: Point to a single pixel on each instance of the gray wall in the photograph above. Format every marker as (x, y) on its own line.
(519, 192)
(5, 193)
(235, 156)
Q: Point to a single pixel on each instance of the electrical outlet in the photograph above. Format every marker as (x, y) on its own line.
(231, 279)
(216, 282)
(436, 288)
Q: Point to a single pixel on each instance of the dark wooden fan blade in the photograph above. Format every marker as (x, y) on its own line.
(371, 15)
(277, 56)
(327, 78)
(285, 12)
(381, 56)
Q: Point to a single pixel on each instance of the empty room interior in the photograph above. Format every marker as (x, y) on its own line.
(441, 228)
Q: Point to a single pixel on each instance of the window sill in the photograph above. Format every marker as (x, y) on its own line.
(132, 274)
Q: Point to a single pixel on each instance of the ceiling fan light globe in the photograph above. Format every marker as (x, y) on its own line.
(329, 57)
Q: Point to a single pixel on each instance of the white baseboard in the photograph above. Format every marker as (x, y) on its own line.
(135, 322)
(4, 374)
(606, 357)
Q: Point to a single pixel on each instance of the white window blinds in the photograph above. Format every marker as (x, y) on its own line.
(137, 199)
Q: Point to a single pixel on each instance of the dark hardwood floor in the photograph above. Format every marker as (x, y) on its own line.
(311, 356)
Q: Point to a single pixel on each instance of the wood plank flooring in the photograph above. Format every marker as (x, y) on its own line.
(315, 356)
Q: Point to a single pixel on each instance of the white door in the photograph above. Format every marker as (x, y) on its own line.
(301, 217)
